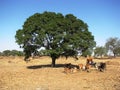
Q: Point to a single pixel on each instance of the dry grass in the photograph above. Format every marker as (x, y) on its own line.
(15, 74)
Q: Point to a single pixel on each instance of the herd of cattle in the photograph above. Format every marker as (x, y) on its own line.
(100, 66)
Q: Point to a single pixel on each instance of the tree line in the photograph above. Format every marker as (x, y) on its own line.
(12, 53)
(111, 48)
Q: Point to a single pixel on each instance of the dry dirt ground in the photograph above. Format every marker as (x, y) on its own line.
(15, 74)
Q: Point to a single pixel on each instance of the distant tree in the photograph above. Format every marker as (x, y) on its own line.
(59, 35)
(113, 45)
(118, 51)
(6, 52)
(12, 53)
(17, 53)
(100, 51)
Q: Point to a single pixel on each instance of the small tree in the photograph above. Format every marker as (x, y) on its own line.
(59, 35)
(100, 51)
(113, 45)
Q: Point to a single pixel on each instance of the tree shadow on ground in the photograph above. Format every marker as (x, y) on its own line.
(48, 66)
(45, 66)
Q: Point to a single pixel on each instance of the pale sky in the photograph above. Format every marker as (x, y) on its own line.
(102, 17)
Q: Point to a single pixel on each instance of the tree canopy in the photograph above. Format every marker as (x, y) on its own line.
(60, 35)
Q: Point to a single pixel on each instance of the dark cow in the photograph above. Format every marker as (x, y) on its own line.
(101, 66)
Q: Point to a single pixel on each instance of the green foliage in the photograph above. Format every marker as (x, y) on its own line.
(7, 53)
(59, 35)
(12, 53)
(113, 45)
(17, 53)
(100, 51)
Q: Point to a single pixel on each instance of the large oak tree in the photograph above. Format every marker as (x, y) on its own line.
(60, 35)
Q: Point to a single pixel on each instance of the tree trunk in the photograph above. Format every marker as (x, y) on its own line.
(53, 62)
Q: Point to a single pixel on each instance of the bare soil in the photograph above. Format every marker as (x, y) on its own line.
(15, 74)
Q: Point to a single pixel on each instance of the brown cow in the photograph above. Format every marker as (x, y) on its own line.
(87, 67)
(89, 60)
